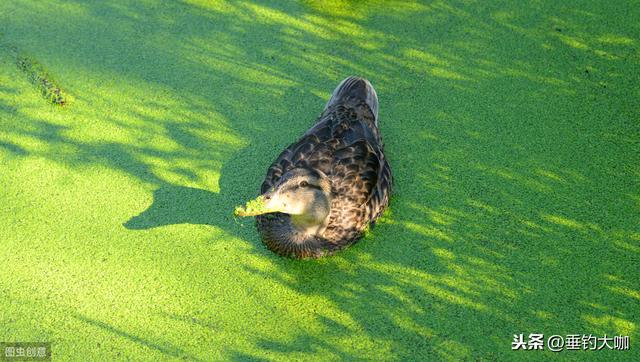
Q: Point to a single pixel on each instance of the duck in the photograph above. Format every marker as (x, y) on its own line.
(324, 191)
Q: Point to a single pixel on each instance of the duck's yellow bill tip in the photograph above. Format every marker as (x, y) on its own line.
(252, 208)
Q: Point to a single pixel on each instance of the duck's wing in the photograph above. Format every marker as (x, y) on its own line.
(382, 191)
(360, 196)
(362, 175)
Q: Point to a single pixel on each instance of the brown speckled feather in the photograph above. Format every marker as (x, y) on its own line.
(345, 144)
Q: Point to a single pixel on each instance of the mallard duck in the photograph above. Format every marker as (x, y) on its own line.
(323, 191)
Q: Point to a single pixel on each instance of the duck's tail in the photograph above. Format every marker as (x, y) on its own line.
(358, 89)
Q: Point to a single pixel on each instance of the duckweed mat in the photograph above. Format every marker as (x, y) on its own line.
(514, 147)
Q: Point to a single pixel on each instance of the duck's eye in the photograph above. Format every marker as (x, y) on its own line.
(304, 184)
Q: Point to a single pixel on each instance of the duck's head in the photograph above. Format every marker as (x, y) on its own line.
(303, 193)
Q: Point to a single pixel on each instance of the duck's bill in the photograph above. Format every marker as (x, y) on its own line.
(254, 207)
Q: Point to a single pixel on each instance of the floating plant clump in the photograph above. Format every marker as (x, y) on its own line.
(253, 207)
(39, 77)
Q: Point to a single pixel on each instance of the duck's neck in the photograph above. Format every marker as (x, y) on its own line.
(311, 225)
(313, 220)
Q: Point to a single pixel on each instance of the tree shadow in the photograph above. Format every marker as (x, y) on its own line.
(166, 348)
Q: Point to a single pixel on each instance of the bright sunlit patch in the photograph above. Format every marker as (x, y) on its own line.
(615, 39)
(564, 221)
(428, 231)
(627, 292)
(572, 42)
(443, 253)
(453, 350)
(618, 326)
(550, 175)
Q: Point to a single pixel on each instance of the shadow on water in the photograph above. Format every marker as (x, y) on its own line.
(178, 205)
(496, 215)
(165, 348)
